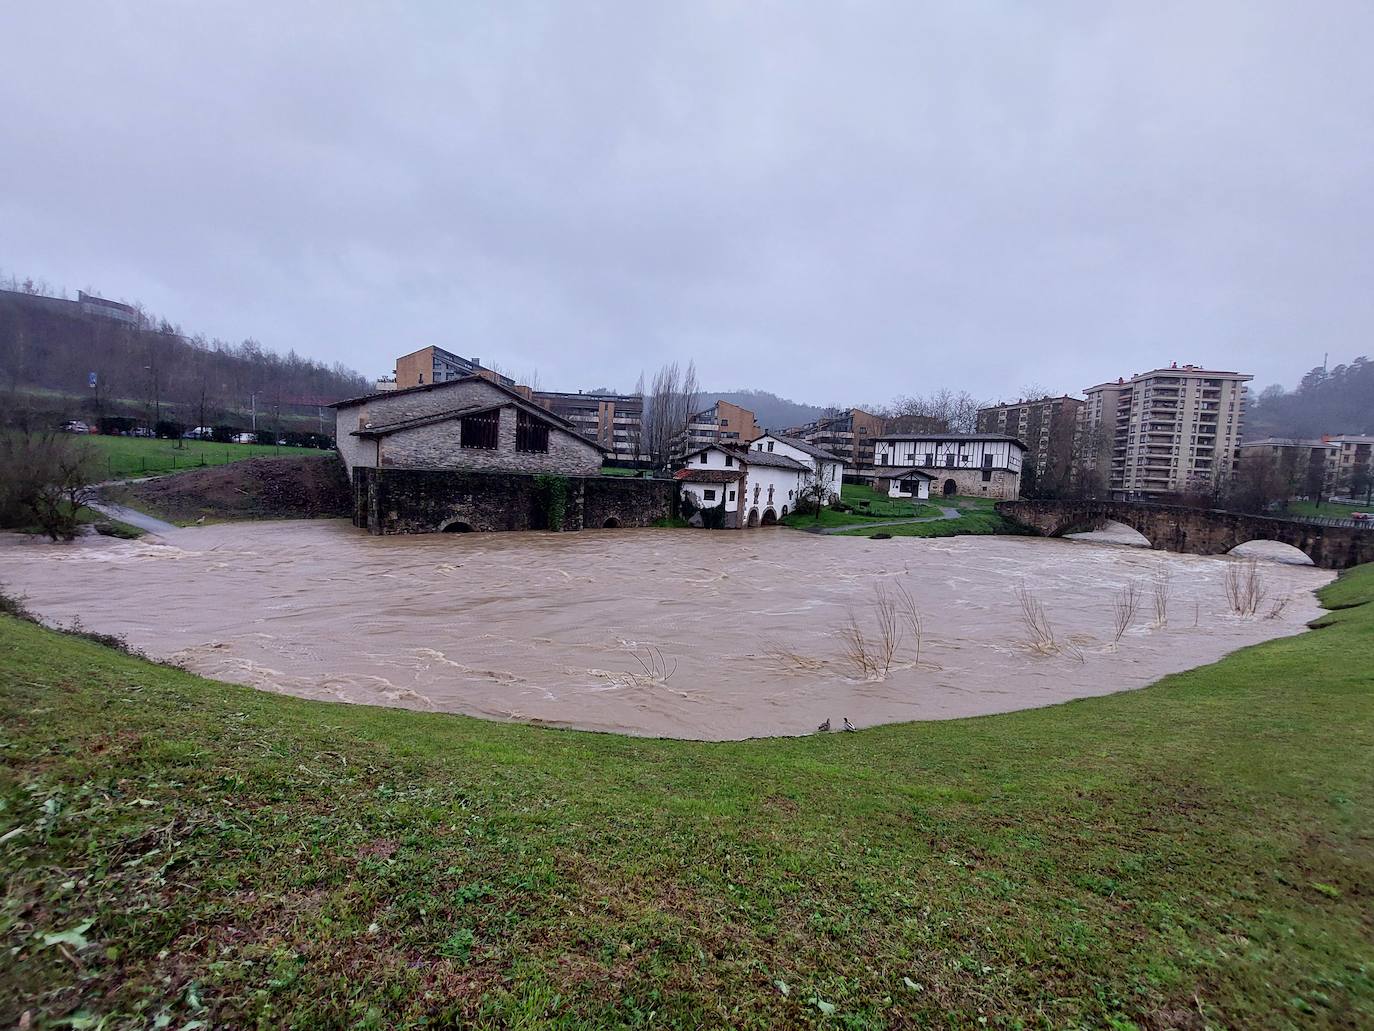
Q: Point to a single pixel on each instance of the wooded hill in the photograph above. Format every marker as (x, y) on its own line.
(50, 346)
(1337, 400)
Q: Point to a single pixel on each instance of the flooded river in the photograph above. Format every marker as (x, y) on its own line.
(656, 632)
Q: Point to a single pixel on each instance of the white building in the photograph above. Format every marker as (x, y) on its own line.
(973, 464)
(755, 487)
(904, 482)
(826, 468)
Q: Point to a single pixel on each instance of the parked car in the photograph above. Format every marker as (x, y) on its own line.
(75, 426)
(245, 438)
(142, 431)
(198, 433)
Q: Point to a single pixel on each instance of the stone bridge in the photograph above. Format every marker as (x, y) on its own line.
(1198, 531)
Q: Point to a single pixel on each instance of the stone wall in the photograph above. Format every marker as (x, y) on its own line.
(388, 501)
(1198, 531)
(437, 446)
(1004, 485)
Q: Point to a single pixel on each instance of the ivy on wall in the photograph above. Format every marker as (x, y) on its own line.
(553, 497)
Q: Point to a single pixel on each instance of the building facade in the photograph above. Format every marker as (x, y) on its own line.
(615, 421)
(468, 424)
(1048, 426)
(848, 435)
(756, 488)
(1304, 466)
(825, 467)
(722, 423)
(1165, 431)
(1354, 465)
(972, 464)
(435, 365)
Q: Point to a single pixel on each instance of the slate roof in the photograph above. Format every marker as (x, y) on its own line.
(517, 398)
(768, 458)
(708, 475)
(900, 473)
(805, 445)
(388, 428)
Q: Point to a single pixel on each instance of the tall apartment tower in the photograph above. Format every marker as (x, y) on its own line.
(1046, 425)
(1168, 430)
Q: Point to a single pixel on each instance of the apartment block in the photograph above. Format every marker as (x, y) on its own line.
(1167, 430)
(1354, 463)
(850, 435)
(1304, 464)
(722, 423)
(1045, 425)
(435, 365)
(615, 421)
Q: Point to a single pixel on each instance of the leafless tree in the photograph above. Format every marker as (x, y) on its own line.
(47, 481)
(670, 405)
(1161, 583)
(1124, 608)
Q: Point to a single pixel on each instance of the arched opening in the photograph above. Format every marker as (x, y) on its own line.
(457, 526)
(1105, 531)
(784, 511)
(949, 488)
(1272, 551)
(769, 517)
(753, 517)
(611, 523)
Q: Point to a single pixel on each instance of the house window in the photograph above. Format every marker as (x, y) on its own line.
(725, 422)
(949, 461)
(480, 431)
(987, 461)
(770, 445)
(703, 458)
(729, 460)
(930, 458)
(709, 495)
(987, 475)
(732, 495)
(531, 434)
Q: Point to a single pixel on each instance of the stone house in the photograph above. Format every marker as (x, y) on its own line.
(470, 424)
(471, 454)
(755, 487)
(973, 464)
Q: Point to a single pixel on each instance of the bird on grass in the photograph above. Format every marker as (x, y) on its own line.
(824, 728)
(847, 724)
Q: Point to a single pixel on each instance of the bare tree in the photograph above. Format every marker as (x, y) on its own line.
(47, 481)
(670, 405)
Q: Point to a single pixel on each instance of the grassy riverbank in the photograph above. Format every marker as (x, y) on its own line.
(122, 457)
(1195, 853)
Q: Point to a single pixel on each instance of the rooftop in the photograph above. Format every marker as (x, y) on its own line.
(802, 445)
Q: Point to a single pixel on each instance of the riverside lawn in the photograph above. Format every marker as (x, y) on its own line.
(1195, 853)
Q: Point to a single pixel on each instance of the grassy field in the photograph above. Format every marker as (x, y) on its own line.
(120, 457)
(1328, 509)
(880, 507)
(970, 521)
(183, 853)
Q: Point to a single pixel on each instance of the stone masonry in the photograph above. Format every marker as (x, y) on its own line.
(391, 501)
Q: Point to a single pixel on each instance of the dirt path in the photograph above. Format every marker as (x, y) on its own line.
(946, 513)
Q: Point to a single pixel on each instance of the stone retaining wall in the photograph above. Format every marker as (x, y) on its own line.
(387, 501)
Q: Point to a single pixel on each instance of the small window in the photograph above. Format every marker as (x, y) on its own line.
(987, 475)
(930, 458)
(725, 422)
(480, 431)
(709, 495)
(531, 435)
(770, 445)
(732, 495)
(729, 460)
(703, 458)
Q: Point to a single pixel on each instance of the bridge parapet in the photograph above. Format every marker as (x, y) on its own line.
(1198, 531)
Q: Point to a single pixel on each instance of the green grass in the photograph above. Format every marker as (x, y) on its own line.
(617, 470)
(120, 457)
(973, 521)
(1328, 509)
(829, 517)
(1199, 851)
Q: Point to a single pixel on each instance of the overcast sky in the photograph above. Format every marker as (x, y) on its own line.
(833, 201)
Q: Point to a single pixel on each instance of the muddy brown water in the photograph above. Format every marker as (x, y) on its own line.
(650, 632)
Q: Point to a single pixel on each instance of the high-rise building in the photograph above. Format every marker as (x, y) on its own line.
(848, 435)
(1046, 426)
(615, 421)
(722, 423)
(1165, 431)
(435, 365)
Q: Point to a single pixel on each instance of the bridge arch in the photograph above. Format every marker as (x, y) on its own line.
(456, 526)
(769, 517)
(1272, 551)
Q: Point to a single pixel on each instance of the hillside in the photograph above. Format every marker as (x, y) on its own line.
(50, 347)
(771, 411)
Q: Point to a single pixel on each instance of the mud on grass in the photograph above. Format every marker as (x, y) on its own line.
(1197, 853)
